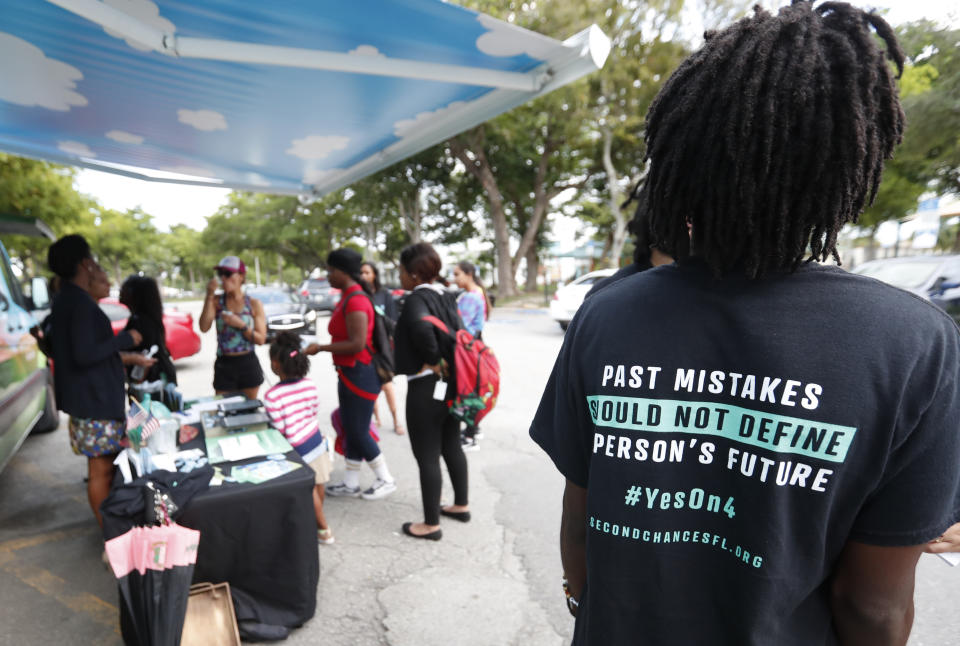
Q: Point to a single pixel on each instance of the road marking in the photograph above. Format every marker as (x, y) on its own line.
(50, 585)
(15, 544)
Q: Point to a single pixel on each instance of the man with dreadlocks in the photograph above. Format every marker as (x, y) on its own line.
(757, 446)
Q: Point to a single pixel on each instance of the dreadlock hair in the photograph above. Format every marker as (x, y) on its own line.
(286, 350)
(771, 137)
(639, 228)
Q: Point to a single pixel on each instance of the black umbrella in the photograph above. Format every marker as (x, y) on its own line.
(154, 568)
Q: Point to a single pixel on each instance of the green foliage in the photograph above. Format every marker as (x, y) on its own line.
(252, 224)
(931, 147)
(929, 157)
(35, 189)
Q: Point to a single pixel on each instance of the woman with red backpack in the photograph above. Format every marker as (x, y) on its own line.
(424, 354)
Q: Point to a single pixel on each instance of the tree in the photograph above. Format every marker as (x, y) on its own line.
(527, 158)
(420, 195)
(39, 190)
(931, 145)
(929, 156)
(125, 242)
(283, 228)
(644, 51)
(188, 257)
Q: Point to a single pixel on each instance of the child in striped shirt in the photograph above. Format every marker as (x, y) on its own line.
(293, 405)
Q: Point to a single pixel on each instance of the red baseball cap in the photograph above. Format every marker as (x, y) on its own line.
(232, 263)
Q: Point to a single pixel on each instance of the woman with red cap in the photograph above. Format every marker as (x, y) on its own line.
(241, 324)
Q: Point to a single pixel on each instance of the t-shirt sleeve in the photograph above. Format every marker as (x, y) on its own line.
(359, 303)
(274, 411)
(918, 496)
(562, 425)
(470, 306)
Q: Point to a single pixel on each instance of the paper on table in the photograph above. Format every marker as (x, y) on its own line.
(953, 558)
(240, 447)
(168, 461)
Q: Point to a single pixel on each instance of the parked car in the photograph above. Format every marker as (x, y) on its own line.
(935, 278)
(567, 299)
(318, 294)
(26, 383)
(285, 310)
(182, 340)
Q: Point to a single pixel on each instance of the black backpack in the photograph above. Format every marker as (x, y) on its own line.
(382, 350)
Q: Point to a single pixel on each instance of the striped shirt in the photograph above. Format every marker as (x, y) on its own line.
(293, 407)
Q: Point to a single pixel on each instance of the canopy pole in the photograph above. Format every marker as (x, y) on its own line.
(224, 50)
(130, 28)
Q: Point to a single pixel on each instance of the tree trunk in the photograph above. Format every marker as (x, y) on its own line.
(533, 269)
(541, 203)
(619, 236)
(411, 217)
(871, 251)
(476, 162)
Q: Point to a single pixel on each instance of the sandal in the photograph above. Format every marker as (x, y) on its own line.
(325, 536)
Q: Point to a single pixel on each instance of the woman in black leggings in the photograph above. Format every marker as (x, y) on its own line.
(420, 347)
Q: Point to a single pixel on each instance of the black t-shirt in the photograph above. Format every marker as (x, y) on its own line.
(733, 435)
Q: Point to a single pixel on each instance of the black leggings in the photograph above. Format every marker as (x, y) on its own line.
(434, 432)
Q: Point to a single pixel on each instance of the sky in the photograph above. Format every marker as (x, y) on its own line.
(172, 204)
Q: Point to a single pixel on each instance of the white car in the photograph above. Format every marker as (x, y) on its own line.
(567, 299)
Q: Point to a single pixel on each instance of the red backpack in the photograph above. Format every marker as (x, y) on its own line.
(477, 372)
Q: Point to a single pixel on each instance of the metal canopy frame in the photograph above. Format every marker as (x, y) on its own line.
(580, 55)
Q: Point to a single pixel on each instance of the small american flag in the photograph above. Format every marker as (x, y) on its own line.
(136, 416)
(149, 427)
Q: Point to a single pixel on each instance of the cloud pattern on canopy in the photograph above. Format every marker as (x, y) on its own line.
(36, 80)
(76, 148)
(206, 120)
(51, 83)
(144, 11)
(504, 39)
(124, 137)
(406, 127)
(365, 50)
(317, 147)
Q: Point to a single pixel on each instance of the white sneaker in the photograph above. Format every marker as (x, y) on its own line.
(341, 489)
(380, 489)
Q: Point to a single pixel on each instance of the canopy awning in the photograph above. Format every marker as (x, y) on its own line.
(299, 96)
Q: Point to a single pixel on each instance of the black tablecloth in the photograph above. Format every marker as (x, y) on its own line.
(260, 538)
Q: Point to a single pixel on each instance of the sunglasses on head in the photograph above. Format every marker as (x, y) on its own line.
(224, 273)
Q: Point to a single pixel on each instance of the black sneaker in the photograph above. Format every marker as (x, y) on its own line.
(470, 444)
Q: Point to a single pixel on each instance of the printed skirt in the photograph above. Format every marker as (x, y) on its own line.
(96, 437)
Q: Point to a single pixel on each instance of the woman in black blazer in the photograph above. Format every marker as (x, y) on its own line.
(88, 368)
